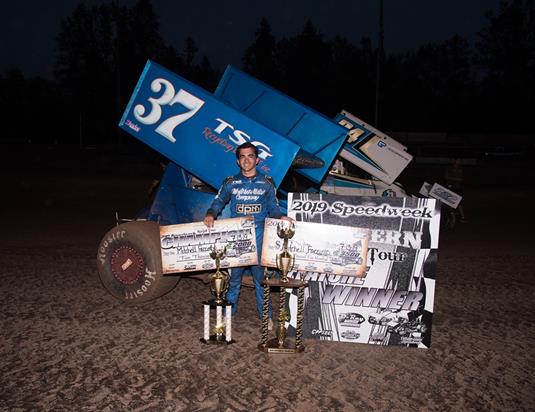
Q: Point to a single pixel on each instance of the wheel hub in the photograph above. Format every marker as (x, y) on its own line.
(127, 264)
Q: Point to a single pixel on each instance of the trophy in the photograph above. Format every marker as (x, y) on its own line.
(285, 260)
(219, 279)
(285, 263)
(222, 332)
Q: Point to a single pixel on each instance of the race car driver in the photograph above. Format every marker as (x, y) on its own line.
(250, 193)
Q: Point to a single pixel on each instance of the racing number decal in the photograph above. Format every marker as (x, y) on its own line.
(190, 102)
(156, 110)
(169, 97)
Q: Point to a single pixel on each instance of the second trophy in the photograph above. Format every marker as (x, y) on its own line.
(285, 262)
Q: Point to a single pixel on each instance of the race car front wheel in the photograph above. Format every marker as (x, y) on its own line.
(129, 263)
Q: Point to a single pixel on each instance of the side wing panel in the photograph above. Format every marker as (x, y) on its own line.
(197, 131)
(315, 133)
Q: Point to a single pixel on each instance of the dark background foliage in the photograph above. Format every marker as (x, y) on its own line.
(450, 87)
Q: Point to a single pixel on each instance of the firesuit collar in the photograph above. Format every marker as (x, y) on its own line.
(249, 177)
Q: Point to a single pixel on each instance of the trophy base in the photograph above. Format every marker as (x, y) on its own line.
(216, 340)
(272, 346)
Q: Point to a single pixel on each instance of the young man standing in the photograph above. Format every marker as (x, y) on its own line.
(249, 193)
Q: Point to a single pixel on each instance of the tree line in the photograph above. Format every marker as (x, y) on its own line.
(451, 86)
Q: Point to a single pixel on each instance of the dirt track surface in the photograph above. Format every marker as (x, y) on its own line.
(68, 345)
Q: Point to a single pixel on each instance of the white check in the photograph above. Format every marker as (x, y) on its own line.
(340, 250)
(187, 247)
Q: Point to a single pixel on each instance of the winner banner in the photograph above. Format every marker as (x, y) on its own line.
(319, 248)
(393, 303)
(187, 247)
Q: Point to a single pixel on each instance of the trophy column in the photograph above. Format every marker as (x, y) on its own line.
(222, 332)
(285, 263)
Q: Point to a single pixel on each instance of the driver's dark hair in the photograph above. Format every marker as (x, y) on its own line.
(245, 146)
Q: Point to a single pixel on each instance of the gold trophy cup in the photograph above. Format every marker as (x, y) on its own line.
(219, 279)
(285, 260)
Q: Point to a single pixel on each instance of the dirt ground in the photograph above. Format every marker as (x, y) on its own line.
(67, 345)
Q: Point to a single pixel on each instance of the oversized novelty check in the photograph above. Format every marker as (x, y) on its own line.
(187, 247)
(445, 195)
(339, 250)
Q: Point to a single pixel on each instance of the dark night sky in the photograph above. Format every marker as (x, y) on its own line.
(223, 29)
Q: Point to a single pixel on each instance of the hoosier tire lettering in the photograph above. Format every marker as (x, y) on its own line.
(149, 278)
(112, 236)
(129, 263)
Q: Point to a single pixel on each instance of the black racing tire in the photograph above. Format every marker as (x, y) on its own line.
(130, 265)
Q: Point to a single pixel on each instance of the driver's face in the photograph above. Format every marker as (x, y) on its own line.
(247, 161)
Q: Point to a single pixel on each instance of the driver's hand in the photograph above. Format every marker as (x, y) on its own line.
(209, 221)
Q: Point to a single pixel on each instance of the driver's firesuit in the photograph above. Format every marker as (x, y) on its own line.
(254, 196)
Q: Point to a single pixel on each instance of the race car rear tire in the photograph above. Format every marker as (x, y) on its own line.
(129, 263)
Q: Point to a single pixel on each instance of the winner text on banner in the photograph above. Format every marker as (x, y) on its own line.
(339, 250)
(393, 303)
(187, 247)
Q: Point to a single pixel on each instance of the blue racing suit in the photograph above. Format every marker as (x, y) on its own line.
(254, 196)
